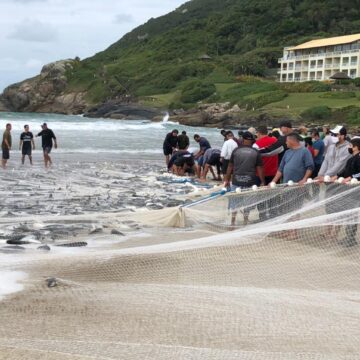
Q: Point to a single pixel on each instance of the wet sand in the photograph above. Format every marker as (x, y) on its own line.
(272, 299)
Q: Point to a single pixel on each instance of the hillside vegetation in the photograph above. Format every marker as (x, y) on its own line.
(241, 37)
(205, 51)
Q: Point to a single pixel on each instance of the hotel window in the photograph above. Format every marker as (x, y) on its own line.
(354, 60)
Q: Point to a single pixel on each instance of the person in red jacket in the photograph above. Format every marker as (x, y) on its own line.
(271, 163)
(267, 208)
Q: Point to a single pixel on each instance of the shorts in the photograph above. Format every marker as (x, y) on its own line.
(47, 149)
(214, 160)
(5, 154)
(26, 150)
(167, 151)
(181, 161)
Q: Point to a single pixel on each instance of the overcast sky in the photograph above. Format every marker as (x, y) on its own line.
(36, 32)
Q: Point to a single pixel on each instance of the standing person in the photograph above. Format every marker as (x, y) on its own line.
(244, 163)
(297, 163)
(329, 139)
(279, 147)
(227, 149)
(309, 145)
(303, 132)
(183, 141)
(6, 145)
(170, 144)
(319, 149)
(26, 144)
(334, 163)
(199, 156)
(351, 170)
(336, 155)
(271, 164)
(47, 139)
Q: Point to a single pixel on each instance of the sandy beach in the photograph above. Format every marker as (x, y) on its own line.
(114, 299)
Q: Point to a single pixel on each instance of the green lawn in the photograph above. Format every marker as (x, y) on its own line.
(222, 87)
(298, 102)
(159, 100)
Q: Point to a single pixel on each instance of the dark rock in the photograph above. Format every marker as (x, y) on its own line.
(51, 282)
(116, 110)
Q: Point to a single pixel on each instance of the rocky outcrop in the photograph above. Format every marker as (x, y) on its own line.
(123, 111)
(222, 115)
(3, 106)
(46, 92)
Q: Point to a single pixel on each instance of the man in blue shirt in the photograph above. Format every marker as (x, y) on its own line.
(297, 164)
(319, 150)
(199, 156)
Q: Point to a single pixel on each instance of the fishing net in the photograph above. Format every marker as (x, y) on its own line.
(281, 280)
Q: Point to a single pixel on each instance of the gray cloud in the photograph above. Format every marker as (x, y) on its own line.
(29, 1)
(34, 31)
(123, 18)
(61, 29)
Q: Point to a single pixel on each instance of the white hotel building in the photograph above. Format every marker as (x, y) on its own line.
(320, 59)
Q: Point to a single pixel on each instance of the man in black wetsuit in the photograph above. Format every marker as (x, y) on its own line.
(48, 137)
(183, 141)
(170, 144)
(26, 144)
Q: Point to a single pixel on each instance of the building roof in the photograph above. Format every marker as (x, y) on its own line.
(338, 40)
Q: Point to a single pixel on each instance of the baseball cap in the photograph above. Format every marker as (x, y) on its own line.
(247, 135)
(252, 130)
(339, 129)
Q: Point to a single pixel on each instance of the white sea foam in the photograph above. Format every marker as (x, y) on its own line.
(11, 282)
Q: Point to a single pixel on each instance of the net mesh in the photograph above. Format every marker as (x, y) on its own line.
(281, 280)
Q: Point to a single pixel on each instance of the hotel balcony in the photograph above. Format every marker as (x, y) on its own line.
(322, 55)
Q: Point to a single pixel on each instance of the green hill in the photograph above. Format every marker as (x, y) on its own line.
(241, 37)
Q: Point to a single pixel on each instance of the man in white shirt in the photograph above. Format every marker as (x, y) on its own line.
(227, 149)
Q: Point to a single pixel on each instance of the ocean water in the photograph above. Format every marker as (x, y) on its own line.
(89, 161)
(77, 134)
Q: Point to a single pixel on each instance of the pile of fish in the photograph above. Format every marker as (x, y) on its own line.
(82, 191)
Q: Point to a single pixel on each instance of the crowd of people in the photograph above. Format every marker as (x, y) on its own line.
(259, 156)
(263, 158)
(27, 144)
